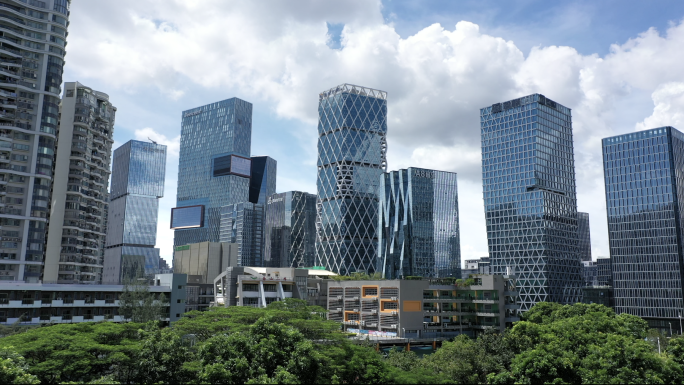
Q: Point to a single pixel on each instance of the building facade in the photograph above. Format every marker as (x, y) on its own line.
(589, 273)
(528, 173)
(476, 266)
(32, 53)
(243, 225)
(644, 195)
(584, 236)
(290, 230)
(204, 261)
(214, 166)
(424, 308)
(138, 174)
(352, 155)
(604, 273)
(79, 203)
(418, 227)
(47, 304)
(263, 182)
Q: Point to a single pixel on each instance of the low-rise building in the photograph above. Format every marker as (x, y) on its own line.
(260, 286)
(38, 303)
(426, 308)
(602, 295)
(476, 266)
(206, 259)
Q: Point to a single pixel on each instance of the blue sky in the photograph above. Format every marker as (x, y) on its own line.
(157, 58)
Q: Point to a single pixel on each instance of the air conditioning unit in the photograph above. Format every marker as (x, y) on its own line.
(339, 298)
(356, 310)
(394, 298)
(394, 312)
(355, 298)
(393, 326)
(374, 311)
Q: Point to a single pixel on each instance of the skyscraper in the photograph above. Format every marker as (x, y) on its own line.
(352, 148)
(528, 173)
(214, 168)
(644, 195)
(290, 230)
(604, 274)
(78, 224)
(138, 175)
(584, 235)
(32, 54)
(263, 181)
(418, 224)
(243, 224)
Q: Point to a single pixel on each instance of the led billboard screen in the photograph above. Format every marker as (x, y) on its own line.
(187, 217)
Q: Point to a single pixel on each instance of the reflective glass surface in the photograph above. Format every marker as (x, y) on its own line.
(643, 189)
(584, 235)
(243, 224)
(138, 168)
(589, 273)
(418, 224)
(207, 132)
(263, 181)
(605, 272)
(352, 146)
(528, 173)
(290, 230)
(185, 217)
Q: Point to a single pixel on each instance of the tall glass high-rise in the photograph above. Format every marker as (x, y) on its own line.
(352, 147)
(584, 235)
(290, 230)
(243, 224)
(214, 167)
(528, 172)
(263, 181)
(644, 195)
(138, 174)
(418, 229)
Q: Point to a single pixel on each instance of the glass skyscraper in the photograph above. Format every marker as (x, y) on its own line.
(528, 172)
(263, 181)
(243, 224)
(418, 229)
(605, 272)
(584, 235)
(214, 165)
(138, 174)
(644, 195)
(352, 148)
(290, 230)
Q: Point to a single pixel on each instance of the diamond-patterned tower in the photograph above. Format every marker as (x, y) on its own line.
(352, 148)
(528, 175)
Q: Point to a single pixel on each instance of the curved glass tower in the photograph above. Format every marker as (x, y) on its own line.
(418, 224)
(352, 148)
(528, 175)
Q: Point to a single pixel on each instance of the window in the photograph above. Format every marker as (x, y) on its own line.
(250, 287)
(271, 288)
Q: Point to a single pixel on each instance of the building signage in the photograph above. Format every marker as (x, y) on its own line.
(423, 173)
(189, 114)
(274, 200)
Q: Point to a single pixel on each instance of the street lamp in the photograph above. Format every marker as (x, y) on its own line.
(680, 323)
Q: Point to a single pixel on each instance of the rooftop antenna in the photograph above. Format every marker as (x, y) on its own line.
(148, 138)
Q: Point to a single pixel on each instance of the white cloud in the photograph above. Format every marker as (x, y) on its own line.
(275, 52)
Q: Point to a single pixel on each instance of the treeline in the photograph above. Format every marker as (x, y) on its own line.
(290, 343)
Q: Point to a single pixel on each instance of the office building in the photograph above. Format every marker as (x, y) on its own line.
(427, 308)
(261, 286)
(32, 56)
(138, 173)
(476, 266)
(243, 225)
(263, 181)
(589, 273)
(644, 202)
(79, 203)
(528, 173)
(604, 273)
(214, 168)
(206, 260)
(352, 149)
(418, 229)
(290, 234)
(584, 236)
(602, 295)
(47, 304)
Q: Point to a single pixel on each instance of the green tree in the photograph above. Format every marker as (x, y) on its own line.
(138, 304)
(163, 357)
(13, 368)
(80, 352)
(268, 352)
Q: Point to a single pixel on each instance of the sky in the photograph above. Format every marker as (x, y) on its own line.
(616, 64)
